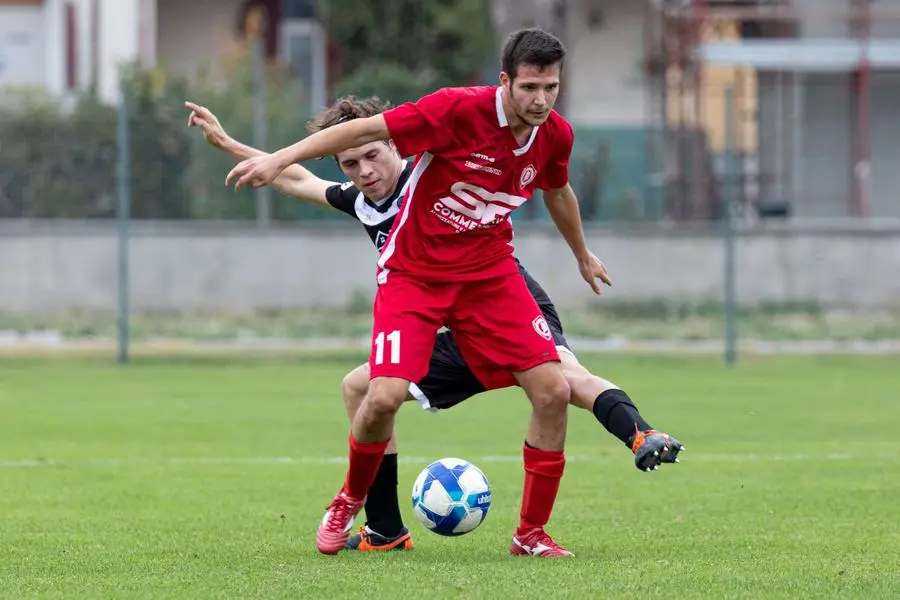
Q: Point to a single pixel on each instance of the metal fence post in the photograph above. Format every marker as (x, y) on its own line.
(728, 228)
(260, 129)
(123, 216)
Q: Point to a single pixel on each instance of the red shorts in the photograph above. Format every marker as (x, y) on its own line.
(496, 323)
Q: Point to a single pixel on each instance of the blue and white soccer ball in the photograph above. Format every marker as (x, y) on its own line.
(451, 496)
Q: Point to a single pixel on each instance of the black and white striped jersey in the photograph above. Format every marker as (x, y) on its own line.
(376, 218)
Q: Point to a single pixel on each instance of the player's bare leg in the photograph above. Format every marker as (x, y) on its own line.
(544, 459)
(618, 414)
(374, 421)
(549, 393)
(384, 529)
(354, 388)
(370, 434)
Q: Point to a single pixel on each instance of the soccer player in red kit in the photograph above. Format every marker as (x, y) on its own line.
(481, 153)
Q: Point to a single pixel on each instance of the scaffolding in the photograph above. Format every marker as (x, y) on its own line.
(734, 87)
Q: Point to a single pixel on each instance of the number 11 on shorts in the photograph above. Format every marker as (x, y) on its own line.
(393, 340)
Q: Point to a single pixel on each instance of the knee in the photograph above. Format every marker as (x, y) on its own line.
(552, 396)
(384, 398)
(354, 387)
(584, 385)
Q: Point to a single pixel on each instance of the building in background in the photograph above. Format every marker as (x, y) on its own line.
(65, 45)
(813, 120)
(39, 45)
(604, 96)
(787, 106)
(62, 45)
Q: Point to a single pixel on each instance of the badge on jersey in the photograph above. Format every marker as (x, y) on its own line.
(528, 175)
(541, 328)
(380, 239)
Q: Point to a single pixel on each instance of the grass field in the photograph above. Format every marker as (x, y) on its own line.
(207, 478)
(635, 320)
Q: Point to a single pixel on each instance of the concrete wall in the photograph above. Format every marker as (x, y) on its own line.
(191, 267)
(181, 35)
(119, 43)
(39, 51)
(820, 178)
(606, 100)
(22, 45)
(604, 85)
(831, 18)
(197, 34)
(885, 126)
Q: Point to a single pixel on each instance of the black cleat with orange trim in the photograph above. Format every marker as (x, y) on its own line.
(370, 541)
(652, 448)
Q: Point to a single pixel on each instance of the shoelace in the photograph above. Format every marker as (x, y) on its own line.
(542, 537)
(339, 508)
(641, 436)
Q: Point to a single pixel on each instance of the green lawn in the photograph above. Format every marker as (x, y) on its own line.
(207, 478)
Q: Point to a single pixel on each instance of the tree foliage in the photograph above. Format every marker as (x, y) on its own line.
(59, 161)
(402, 49)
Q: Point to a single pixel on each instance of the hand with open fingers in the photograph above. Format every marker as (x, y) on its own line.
(204, 119)
(256, 172)
(592, 269)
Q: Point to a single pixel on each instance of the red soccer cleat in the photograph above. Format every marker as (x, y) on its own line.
(334, 531)
(536, 542)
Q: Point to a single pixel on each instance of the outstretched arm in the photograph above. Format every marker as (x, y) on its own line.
(263, 170)
(294, 180)
(562, 204)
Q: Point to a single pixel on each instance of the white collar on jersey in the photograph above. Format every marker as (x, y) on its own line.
(501, 119)
(366, 210)
(394, 191)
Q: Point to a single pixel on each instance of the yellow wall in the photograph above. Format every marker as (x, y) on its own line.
(714, 82)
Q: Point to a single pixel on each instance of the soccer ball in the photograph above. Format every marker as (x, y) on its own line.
(451, 496)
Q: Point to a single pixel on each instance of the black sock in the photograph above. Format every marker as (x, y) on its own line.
(382, 505)
(615, 411)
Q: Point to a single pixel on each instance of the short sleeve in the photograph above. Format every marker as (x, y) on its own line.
(343, 197)
(556, 174)
(425, 125)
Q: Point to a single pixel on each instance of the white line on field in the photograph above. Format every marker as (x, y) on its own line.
(339, 460)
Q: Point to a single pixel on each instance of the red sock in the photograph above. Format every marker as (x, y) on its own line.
(364, 462)
(543, 470)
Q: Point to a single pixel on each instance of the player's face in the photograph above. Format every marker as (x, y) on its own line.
(373, 168)
(533, 92)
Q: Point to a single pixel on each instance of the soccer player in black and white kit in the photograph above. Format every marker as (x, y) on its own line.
(373, 196)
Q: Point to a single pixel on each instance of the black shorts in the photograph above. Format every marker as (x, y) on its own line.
(450, 381)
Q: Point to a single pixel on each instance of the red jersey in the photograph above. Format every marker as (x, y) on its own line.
(469, 176)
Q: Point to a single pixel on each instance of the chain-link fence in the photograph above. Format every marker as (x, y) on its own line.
(60, 161)
(190, 260)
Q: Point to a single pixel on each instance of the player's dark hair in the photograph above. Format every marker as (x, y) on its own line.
(531, 46)
(346, 109)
